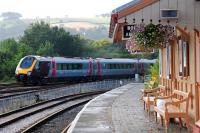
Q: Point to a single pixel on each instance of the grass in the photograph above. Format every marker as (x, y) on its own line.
(8, 81)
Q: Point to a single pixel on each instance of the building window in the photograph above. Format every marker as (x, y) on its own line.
(160, 63)
(180, 61)
(186, 58)
(169, 62)
(183, 57)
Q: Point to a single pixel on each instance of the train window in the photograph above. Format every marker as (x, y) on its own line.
(37, 65)
(111, 66)
(132, 65)
(114, 66)
(120, 66)
(117, 66)
(123, 66)
(72, 66)
(69, 66)
(80, 66)
(64, 66)
(107, 66)
(128, 66)
(139, 65)
(27, 62)
(58, 66)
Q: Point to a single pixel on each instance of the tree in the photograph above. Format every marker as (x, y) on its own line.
(64, 43)
(8, 49)
(10, 54)
(46, 49)
(22, 51)
(38, 33)
(10, 15)
(104, 48)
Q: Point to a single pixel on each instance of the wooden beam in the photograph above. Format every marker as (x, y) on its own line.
(197, 32)
(137, 7)
(117, 34)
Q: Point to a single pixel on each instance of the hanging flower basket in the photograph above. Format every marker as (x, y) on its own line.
(152, 36)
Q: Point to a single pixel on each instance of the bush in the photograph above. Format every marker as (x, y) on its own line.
(154, 81)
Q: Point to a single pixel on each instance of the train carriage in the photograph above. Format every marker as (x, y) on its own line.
(117, 68)
(37, 69)
(71, 69)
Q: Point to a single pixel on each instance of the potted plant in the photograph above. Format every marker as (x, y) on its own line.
(152, 36)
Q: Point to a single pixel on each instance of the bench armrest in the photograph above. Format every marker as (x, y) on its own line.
(156, 93)
(164, 97)
(176, 103)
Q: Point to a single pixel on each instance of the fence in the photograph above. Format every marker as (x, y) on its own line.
(16, 102)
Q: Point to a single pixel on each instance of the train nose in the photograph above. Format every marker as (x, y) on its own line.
(21, 77)
(16, 72)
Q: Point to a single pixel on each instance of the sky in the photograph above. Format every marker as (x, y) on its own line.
(60, 8)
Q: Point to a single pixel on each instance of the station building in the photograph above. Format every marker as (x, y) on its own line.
(180, 59)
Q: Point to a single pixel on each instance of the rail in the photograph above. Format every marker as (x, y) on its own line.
(16, 102)
(39, 114)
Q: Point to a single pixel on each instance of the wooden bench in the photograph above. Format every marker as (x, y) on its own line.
(149, 96)
(174, 106)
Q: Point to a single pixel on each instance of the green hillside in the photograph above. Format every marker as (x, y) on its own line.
(91, 28)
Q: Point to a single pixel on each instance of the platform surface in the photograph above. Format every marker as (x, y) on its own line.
(119, 111)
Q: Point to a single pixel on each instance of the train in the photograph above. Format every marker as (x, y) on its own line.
(33, 69)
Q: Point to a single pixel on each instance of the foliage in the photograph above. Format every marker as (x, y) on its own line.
(150, 37)
(63, 43)
(38, 33)
(41, 39)
(22, 51)
(46, 49)
(10, 54)
(154, 81)
(105, 49)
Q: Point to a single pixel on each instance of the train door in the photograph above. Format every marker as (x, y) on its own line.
(94, 69)
(98, 70)
(91, 69)
(44, 68)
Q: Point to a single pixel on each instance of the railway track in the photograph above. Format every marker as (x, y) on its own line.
(26, 119)
(8, 92)
(15, 89)
(11, 85)
(12, 88)
(20, 90)
(54, 123)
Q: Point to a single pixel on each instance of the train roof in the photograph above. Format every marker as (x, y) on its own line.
(126, 60)
(79, 59)
(58, 59)
(116, 60)
(72, 60)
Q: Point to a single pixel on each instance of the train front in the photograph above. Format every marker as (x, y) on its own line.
(24, 69)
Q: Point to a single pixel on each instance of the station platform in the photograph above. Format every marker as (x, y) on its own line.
(119, 111)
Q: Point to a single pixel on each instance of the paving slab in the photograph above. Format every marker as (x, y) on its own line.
(119, 111)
